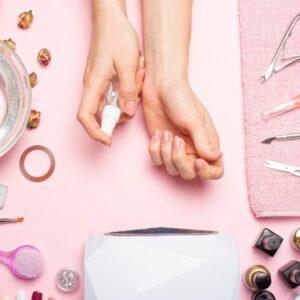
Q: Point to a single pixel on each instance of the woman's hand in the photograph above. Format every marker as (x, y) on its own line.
(114, 51)
(183, 137)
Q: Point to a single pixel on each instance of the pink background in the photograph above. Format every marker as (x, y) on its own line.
(95, 189)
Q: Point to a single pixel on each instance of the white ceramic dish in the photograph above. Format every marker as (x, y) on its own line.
(15, 98)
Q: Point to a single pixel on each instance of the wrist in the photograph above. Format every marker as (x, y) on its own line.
(166, 71)
(106, 8)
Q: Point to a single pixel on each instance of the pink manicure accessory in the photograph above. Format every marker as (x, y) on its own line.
(25, 262)
(282, 108)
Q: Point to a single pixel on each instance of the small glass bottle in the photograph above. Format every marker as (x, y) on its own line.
(257, 278)
(295, 239)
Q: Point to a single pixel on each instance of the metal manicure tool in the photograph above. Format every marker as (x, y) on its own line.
(282, 167)
(293, 136)
(286, 62)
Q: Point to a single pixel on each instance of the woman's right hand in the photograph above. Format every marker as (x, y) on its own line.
(114, 52)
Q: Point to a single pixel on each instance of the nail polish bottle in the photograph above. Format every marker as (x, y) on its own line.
(268, 242)
(21, 295)
(111, 111)
(295, 239)
(290, 273)
(37, 296)
(257, 278)
(263, 295)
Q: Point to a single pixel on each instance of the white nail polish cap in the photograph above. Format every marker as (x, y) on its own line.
(3, 193)
(111, 112)
(21, 295)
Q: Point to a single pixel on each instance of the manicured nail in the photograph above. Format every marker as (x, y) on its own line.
(166, 136)
(51, 298)
(130, 107)
(156, 136)
(199, 165)
(177, 142)
(4, 298)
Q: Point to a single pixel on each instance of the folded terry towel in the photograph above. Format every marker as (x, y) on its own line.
(262, 27)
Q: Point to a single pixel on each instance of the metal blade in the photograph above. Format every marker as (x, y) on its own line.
(161, 231)
(281, 167)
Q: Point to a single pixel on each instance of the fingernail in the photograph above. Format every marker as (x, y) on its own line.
(177, 142)
(199, 165)
(156, 136)
(166, 136)
(215, 152)
(130, 107)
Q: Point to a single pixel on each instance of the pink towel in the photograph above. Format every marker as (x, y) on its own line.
(263, 25)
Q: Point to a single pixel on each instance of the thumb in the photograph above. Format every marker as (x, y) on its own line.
(204, 148)
(128, 92)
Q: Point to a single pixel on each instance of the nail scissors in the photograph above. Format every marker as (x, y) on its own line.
(283, 167)
(286, 62)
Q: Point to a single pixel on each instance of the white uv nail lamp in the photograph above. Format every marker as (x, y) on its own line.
(15, 98)
(161, 264)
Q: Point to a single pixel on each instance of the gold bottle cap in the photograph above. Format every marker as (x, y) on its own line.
(296, 238)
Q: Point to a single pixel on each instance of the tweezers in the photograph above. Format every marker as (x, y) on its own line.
(283, 167)
(273, 68)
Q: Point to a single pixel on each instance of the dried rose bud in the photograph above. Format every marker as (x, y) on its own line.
(34, 119)
(33, 79)
(10, 43)
(25, 19)
(44, 57)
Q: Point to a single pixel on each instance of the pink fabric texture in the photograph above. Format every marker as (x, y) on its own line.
(263, 25)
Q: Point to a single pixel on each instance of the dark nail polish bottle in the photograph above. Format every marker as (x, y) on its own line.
(263, 295)
(37, 296)
(290, 273)
(268, 242)
(257, 278)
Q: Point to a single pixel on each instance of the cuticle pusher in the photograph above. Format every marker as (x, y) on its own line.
(292, 136)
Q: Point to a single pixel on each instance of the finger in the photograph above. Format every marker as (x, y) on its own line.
(203, 145)
(184, 163)
(140, 74)
(166, 153)
(128, 89)
(93, 91)
(154, 148)
(207, 171)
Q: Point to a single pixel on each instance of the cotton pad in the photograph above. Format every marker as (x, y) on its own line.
(3, 193)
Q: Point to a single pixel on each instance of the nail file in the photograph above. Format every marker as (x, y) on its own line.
(3, 193)
(21, 295)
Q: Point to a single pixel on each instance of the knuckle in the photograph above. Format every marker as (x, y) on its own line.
(80, 117)
(152, 149)
(128, 92)
(176, 158)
